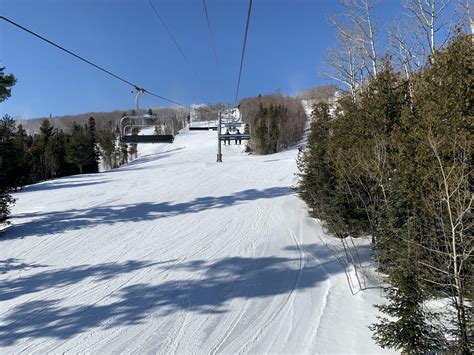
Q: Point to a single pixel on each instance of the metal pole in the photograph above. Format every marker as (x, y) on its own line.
(122, 129)
(139, 92)
(219, 149)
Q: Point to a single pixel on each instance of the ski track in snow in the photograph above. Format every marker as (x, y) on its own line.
(175, 253)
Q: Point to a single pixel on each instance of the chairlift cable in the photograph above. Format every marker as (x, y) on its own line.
(163, 98)
(136, 87)
(210, 34)
(243, 52)
(178, 47)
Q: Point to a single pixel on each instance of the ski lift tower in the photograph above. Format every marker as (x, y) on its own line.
(230, 122)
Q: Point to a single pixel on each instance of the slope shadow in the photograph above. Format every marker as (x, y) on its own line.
(53, 185)
(45, 223)
(152, 157)
(138, 164)
(13, 264)
(211, 288)
(64, 277)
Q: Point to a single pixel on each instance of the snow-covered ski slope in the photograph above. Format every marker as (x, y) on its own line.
(175, 253)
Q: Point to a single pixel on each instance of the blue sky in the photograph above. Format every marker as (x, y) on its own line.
(285, 51)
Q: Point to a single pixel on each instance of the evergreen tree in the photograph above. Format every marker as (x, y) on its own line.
(93, 166)
(24, 160)
(317, 176)
(46, 131)
(78, 149)
(408, 327)
(6, 84)
(123, 153)
(5, 202)
(107, 144)
(56, 153)
(43, 164)
(7, 164)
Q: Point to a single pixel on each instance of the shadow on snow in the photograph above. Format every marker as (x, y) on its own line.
(13, 264)
(212, 286)
(44, 223)
(55, 185)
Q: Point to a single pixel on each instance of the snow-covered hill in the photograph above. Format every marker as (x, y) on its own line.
(175, 253)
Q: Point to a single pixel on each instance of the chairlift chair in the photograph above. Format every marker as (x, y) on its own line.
(148, 138)
(145, 138)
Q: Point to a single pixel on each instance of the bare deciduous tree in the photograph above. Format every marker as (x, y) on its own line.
(347, 64)
(453, 212)
(360, 14)
(356, 56)
(429, 17)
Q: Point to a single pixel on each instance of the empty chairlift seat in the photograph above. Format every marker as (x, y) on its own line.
(162, 138)
(203, 128)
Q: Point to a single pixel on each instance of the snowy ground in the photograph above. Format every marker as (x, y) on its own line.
(175, 253)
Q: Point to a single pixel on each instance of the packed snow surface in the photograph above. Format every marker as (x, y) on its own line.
(175, 253)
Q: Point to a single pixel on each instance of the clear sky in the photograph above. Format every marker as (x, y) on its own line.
(285, 50)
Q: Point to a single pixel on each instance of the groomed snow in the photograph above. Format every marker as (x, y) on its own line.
(175, 253)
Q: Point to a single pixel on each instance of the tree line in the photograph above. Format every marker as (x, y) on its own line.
(52, 152)
(277, 121)
(27, 159)
(395, 161)
(102, 119)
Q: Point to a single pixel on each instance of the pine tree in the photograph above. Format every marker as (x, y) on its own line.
(6, 132)
(78, 149)
(6, 84)
(42, 155)
(424, 231)
(317, 176)
(123, 153)
(107, 144)
(408, 329)
(24, 160)
(46, 131)
(93, 166)
(7, 164)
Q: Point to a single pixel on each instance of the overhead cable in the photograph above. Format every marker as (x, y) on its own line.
(178, 47)
(243, 52)
(210, 33)
(136, 87)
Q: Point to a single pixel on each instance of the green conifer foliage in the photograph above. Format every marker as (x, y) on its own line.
(398, 164)
(78, 149)
(6, 84)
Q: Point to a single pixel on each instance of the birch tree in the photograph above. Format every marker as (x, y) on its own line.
(360, 14)
(429, 17)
